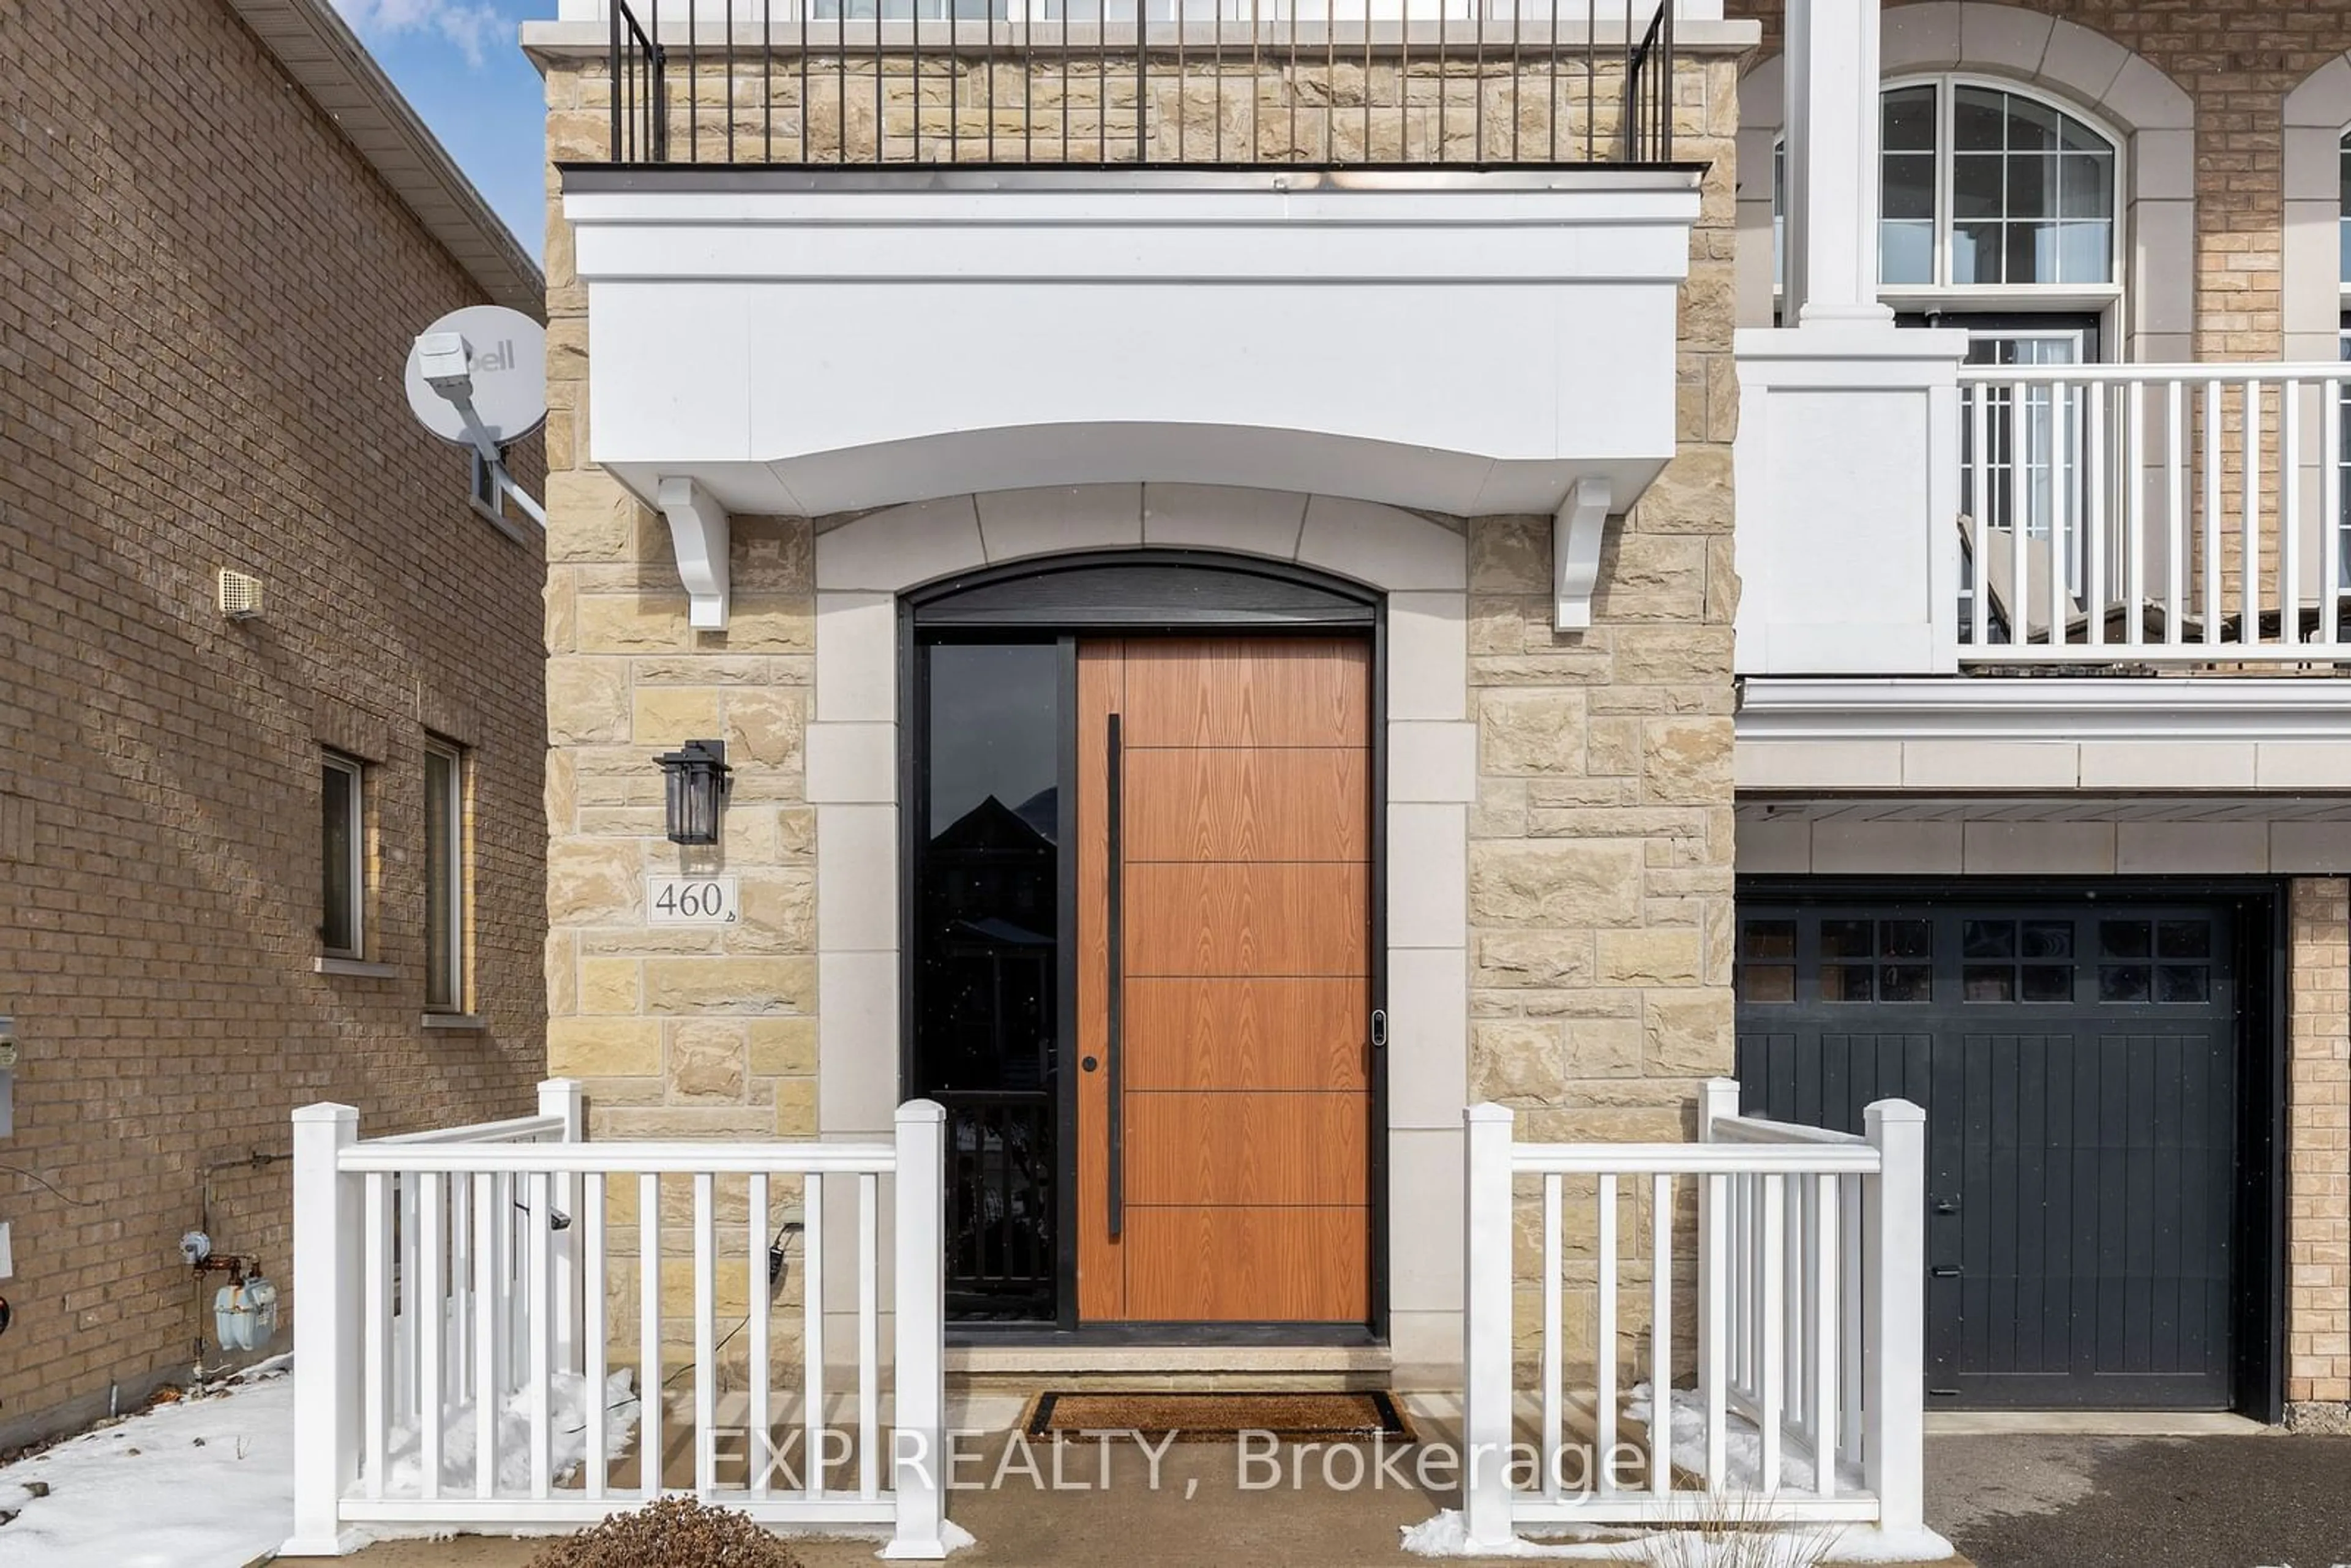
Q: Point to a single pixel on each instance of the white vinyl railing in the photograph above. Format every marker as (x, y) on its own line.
(1803, 1398)
(455, 1330)
(2152, 513)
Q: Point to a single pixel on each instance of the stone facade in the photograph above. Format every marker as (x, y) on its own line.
(1597, 870)
(202, 321)
(1286, 102)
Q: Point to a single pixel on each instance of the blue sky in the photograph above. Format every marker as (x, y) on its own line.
(459, 63)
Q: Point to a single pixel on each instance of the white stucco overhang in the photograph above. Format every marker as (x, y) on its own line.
(820, 341)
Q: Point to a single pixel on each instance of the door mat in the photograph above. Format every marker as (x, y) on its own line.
(1222, 1418)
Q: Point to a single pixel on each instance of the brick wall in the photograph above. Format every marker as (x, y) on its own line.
(2318, 1156)
(205, 298)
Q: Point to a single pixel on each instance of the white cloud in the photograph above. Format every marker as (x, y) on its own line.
(471, 27)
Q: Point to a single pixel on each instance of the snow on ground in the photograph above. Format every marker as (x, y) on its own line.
(207, 1482)
(1743, 1446)
(568, 1433)
(1446, 1536)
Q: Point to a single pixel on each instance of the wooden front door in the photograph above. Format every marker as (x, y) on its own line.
(1224, 980)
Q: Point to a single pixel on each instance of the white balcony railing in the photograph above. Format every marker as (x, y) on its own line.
(451, 1341)
(2153, 513)
(1805, 1393)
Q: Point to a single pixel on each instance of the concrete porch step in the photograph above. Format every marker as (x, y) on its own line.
(1030, 1368)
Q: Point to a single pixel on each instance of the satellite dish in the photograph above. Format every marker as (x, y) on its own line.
(506, 360)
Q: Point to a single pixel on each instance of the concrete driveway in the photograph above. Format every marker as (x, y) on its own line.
(2264, 1499)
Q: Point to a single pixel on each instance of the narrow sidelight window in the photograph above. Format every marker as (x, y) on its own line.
(986, 948)
(444, 878)
(342, 851)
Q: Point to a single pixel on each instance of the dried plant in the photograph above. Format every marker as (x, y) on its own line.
(671, 1532)
(1737, 1530)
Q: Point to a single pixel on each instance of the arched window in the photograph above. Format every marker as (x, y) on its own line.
(2343, 224)
(1985, 186)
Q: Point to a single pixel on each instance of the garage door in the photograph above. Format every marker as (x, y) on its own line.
(2078, 1065)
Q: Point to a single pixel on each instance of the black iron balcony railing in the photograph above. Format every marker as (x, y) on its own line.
(1466, 83)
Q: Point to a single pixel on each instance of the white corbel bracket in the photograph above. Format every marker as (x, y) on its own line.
(697, 528)
(1576, 530)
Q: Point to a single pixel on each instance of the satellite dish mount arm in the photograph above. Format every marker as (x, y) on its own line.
(446, 360)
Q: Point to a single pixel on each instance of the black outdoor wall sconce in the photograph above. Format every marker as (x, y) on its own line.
(696, 778)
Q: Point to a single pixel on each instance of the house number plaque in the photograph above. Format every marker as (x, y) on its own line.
(692, 901)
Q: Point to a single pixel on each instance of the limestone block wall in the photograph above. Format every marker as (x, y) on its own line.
(1280, 101)
(1596, 873)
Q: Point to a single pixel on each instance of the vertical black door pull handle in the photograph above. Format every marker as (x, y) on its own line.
(1114, 988)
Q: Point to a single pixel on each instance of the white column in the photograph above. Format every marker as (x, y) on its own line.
(1894, 1309)
(326, 1328)
(1487, 1322)
(918, 1420)
(1833, 162)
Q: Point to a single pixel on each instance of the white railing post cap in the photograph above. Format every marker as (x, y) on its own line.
(1879, 1110)
(1485, 1111)
(326, 1111)
(919, 1111)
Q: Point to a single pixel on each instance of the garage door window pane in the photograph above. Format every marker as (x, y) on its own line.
(2183, 983)
(1907, 983)
(1905, 939)
(2125, 938)
(1988, 938)
(1767, 961)
(2048, 982)
(2183, 939)
(2123, 982)
(1846, 982)
(1848, 939)
(1989, 982)
(2048, 939)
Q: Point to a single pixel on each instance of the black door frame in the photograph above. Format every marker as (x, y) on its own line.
(2262, 951)
(1195, 592)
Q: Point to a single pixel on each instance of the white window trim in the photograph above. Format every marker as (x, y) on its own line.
(2316, 116)
(356, 831)
(455, 886)
(2341, 274)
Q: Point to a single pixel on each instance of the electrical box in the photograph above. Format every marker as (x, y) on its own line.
(7, 1255)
